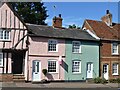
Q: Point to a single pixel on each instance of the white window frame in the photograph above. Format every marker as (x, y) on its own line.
(3, 31)
(113, 49)
(79, 66)
(113, 73)
(56, 65)
(1, 60)
(74, 46)
(56, 45)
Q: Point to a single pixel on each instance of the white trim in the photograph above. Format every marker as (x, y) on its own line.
(56, 45)
(93, 35)
(117, 69)
(57, 67)
(79, 67)
(4, 35)
(112, 49)
(79, 46)
(1, 60)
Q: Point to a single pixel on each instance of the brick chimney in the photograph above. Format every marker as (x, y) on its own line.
(107, 18)
(57, 22)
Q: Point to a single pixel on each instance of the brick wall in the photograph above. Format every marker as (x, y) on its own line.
(6, 77)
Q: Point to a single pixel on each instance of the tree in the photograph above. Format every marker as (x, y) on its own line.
(31, 12)
(74, 26)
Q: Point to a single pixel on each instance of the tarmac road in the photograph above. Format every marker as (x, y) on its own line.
(24, 88)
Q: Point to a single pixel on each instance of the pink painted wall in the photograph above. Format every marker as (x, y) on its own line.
(17, 29)
(9, 20)
(38, 50)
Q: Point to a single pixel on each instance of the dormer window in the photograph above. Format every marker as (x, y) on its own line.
(4, 34)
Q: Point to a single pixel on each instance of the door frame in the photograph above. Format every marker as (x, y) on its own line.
(39, 70)
(18, 57)
(107, 71)
(91, 70)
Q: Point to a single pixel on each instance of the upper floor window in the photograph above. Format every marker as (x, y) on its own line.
(76, 66)
(76, 48)
(4, 35)
(115, 48)
(52, 45)
(1, 59)
(52, 66)
(115, 69)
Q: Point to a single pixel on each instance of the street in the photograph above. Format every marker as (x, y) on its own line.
(20, 88)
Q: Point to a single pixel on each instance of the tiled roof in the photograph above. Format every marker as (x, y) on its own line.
(49, 31)
(102, 30)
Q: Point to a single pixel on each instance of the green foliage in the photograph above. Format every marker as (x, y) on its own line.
(99, 80)
(31, 12)
(74, 26)
(104, 81)
(114, 80)
(118, 80)
(44, 71)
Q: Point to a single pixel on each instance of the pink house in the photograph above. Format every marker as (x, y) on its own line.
(13, 47)
(46, 51)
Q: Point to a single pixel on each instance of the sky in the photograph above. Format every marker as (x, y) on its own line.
(77, 12)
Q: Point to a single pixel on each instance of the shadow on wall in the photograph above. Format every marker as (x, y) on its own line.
(65, 66)
(49, 76)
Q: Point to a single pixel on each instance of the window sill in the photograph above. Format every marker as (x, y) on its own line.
(115, 54)
(5, 40)
(116, 74)
(52, 51)
(76, 73)
(76, 52)
(52, 72)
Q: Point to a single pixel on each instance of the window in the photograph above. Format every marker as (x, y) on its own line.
(52, 45)
(1, 59)
(4, 35)
(115, 48)
(115, 69)
(76, 47)
(52, 66)
(76, 66)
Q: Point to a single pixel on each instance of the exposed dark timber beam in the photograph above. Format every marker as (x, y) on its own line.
(13, 28)
(7, 62)
(19, 41)
(23, 40)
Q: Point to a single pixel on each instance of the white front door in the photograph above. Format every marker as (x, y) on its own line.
(105, 71)
(36, 70)
(89, 70)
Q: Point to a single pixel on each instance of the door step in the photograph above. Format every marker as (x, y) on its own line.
(18, 78)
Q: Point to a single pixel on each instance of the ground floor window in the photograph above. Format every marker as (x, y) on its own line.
(76, 66)
(115, 69)
(52, 66)
(1, 59)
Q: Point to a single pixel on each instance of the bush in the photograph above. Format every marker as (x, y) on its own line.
(44, 71)
(97, 80)
(114, 80)
(103, 81)
(118, 80)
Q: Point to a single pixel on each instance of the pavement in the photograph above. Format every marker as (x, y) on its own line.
(59, 85)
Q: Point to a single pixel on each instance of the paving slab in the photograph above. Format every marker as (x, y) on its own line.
(60, 85)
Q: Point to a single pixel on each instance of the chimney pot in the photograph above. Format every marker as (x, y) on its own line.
(60, 15)
(107, 18)
(57, 22)
(107, 11)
